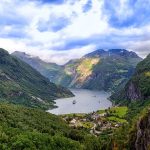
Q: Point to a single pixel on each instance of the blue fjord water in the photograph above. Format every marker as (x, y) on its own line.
(86, 101)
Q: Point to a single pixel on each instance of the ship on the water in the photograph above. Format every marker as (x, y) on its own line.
(74, 102)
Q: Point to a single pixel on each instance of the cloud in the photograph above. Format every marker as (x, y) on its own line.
(50, 1)
(12, 32)
(87, 6)
(59, 57)
(126, 13)
(54, 24)
(68, 29)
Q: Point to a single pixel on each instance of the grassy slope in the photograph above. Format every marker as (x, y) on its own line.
(118, 114)
(125, 137)
(20, 83)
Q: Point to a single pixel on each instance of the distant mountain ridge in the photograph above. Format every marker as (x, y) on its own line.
(49, 70)
(21, 84)
(100, 69)
(112, 52)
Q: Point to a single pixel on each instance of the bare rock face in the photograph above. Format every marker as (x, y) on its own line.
(143, 133)
(133, 92)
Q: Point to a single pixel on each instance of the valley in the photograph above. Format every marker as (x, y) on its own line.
(75, 75)
(91, 122)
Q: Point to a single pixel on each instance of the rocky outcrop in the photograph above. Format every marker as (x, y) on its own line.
(133, 92)
(142, 135)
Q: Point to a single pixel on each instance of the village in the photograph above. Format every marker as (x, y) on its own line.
(98, 122)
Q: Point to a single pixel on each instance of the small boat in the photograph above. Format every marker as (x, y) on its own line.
(74, 102)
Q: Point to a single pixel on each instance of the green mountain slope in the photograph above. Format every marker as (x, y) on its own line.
(135, 94)
(23, 128)
(49, 70)
(101, 70)
(138, 87)
(21, 84)
(134, 135)
(113, 70)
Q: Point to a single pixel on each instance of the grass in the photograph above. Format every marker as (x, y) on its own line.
(101, 111)
(119, 111)
(87, 65)
(116, 119)
(147, 74)
(117, 114)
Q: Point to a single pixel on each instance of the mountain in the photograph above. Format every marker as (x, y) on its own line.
(49, 70)
(27, 129)
(101, 69)
(21, 84)
(136, 95)
(138, 87)
(112, 52)
(111, 69)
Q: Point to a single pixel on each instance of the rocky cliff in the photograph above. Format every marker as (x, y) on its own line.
(140, 139)
(133, 92)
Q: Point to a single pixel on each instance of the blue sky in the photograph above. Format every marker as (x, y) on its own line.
(59, 30)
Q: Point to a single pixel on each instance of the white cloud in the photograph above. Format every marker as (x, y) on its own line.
(142, 48)
(82, 25)
(59, 57)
